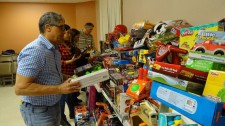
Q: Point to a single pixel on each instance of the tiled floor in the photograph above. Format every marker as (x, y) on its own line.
(9, 108)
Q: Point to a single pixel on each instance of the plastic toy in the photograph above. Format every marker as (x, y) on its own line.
(145, 113)
(81, 115)
(210, 47)
(164, 50)
(114, 36)
(176, 122)
(144, 40)
(141, 88)
(103, 114)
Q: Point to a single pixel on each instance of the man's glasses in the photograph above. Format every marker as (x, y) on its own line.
(62, 27)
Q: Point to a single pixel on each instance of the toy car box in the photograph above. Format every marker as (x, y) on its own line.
(197, 108)
(188, 35)
(215, 85)
(210, 43)
(203, 56)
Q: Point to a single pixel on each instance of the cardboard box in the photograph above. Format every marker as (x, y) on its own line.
(217, 59)
(164, 118)
(117, 78)
(197, 108)
(177, 83)
(204, 65)
(166, 68)
(92, 78)
(123, 104)
(188, 35)
(192, 75)
(217, 37)
(145, 113)
(215, 85)
(142, 58)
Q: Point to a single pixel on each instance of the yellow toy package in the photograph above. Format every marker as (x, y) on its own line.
(142, 57)
(215, 85)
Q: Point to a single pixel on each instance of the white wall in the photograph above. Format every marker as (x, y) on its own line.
(195, 12)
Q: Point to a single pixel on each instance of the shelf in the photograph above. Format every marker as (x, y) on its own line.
(124, 122)
(98, 88)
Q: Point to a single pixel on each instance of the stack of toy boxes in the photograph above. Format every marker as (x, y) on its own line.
(208, 54)
(180, 77)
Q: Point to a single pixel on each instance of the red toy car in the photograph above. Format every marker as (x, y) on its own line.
(209, 46)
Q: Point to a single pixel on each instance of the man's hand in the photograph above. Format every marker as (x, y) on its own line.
(69, 87)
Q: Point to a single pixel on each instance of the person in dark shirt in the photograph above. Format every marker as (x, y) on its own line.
(69, 54)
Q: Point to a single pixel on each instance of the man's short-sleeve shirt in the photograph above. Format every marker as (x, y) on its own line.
(85, 41)
(41, 60)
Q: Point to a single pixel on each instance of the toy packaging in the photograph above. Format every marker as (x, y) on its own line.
(81, 115)
(190, 105)
(215, 85)
(188, 36)
(143, 25)
(140, 88)
(123, 103)
(167, 69)
(180, 71)
(145, 113)
(192, 75)
(142, 58)
(204, 65)
(203, 56)
(92, 78)
(168, 31)
(168, 119)
(210, 45)
(82, 68)
(181, 84)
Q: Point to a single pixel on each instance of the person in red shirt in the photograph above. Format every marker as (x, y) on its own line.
(69, 54)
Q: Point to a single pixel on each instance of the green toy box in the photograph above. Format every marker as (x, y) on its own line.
(204, 65)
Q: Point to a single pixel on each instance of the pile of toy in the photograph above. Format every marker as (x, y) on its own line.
(168, 63)
(171, 56)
